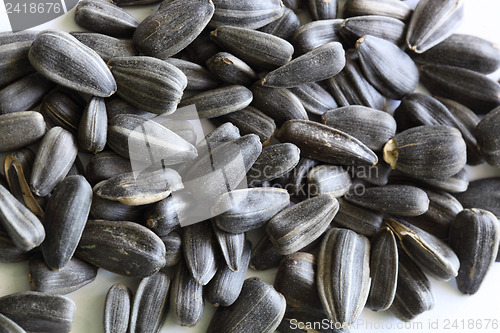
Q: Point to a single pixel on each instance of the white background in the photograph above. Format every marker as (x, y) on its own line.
(481, 19)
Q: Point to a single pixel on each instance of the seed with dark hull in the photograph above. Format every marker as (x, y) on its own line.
(433, 255)
(246, 13)
(20, 129)
(314, 98)
(65, 218)
(381, 60)
(106, 46)
(73, 276)
(115, 211)
(482, 193)
(259, 49)
(328, 179)
(285, 26)
(361, 220)
(173, 27)
(259, 308)
(246, 209)
(105, 165)
(231, 69)
(295, 182)
(432, 22)
(24, 94)
(123, 3)
(383, 270)
(121, 247)
(117, 309)
(474, 236)
(8, 326)
(427, 151)
(165, 215)
(390, 8)
(299, 225)
(488, 142)
(274, 161)
(92, 132)
(186, 298)
(455, 184)
(39, 312)
(198, 77)
(64, 60)
(231, 246)
(384, 27)
(14, 48)
(225, 287)
(343, 275)
(314, 34)
(9, 253)
(413, 292)
(224, 133)
(150, 304)
(104, 17)
(329, 60)
(63, 108)
(116, 106)
(326, 144)
(202, 48)
(173, 246)
(323, 9)
(265, 255)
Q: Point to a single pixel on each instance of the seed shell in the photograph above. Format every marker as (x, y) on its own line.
(482, 193)
(390, 8)
(231, 69)
(165, 215)
(362, 220)
(323, 10)
(384, 27)
(106, 46)
(488, 142)
(328, 179)
(265, 255)
(24, 94)
(246, 13)
(117, 309)
(63, 108)
(93, 128)
(285, 26)
(14, 48)
(314, 98)
(274, 161)
(314, 34)
(198, 77)
(231, 246)
(20, 129)
(105, 165)
(173, 246)
(8, 326)
(9, 253)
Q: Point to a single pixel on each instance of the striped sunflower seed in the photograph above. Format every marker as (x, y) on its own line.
(105, 165)
(93, 128)
(202, 48)
(231, 246)
(246, 13)
(116, 106)
(482, 193)
(285, 26)
(384, 27)
(8, 326)
(265, 255)
(364, 221)
(390, 8)
(20, 129)
(231, 69)
(328, 179)
(224, 133)
(314, 98)
(64, 60)
(14, 48)
(274, 161)
(117, 309)
(173, 246)
(121, 247)
(198, 77)
(295, 182)
(488, 143)
(24, 94)
(106, 46)
(343, 275)
(165, 215)
(63, 108)
(323, 9)
(9, 253)
(314, 34)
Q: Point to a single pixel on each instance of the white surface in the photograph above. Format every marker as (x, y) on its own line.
(453, 312)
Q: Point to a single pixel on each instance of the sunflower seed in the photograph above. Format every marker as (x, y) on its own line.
(173, 27)
(9, 253)
(314, 98)
(390, 8)
(488, 143)
(231, 245)
(384, 27)
(64, 60)
(117, 309)
(284, 27)
(323, 9)
(117, 106)
(429, 252)
(383, 270)
(246, 209)
(314, 34)
(73, 276)
(230, 69)
(24, 94)
(198, 77)
(106, 46)
(93, 128)
(173, 246)
(246, 13)
(474, 236)
(225, 287)
(8, 326)
(105, 165)
(414, 152)
(224, 133)
(326, 144)
(259, 308)
(482, 193)
(150, 304)
(328, 179)
(121, 247)
(39, 312)
(274, 161)
(202, 48)
(361, 220)
(14, 48)
(432, 22)
(301, 224)
(20, 129)
(54, 159)
(343, 275)
(387, 67)
(105, 17)
(295, 182)
(165, 215)
(63, 108)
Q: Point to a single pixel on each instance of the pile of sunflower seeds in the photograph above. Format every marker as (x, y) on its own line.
(357, 203)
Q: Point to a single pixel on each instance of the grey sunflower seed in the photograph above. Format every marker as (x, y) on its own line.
(387, 67)
(383, 270)
(284, 27)
(231, 246)
(14, 48)
(164, 87)
(9, 253)
(265, 255)
(343, 295)
(455, 184)
(295, 182)
(246, 13)
(384, 27)
(117, 309)
(372, 127)
(230, 69)
(65, 217)
(73, 276)
(376, 175)
(474, 236)
(23, 227)
(259, 308)
(225, 287)
(432, 22)
(106, 46)
(482, 193)
(488, 142)
(63, 108)
(121, 247)
(224, 133)
(39, 312)
(165, 215)
(105, 165)
(246, 209)
(301, 224)
(314, 34)
(323, 9)
(259, 49)
(400, 200)
(54, 159)
(202, 48)
(433, 255)
(186, 298)
(116, 106)
(314, 98)
(326, 144)
(293, 4)
(413, 293)
(328, 179)
(147, 141)
(173, 27)
(219, 102)
(390, 8)
(278, 103)
(198, 77)
(24, 94)
(173, 246)
(64, 60)
(150, 304)
(20, 129)
(105, 17)
(274, 161)
(361, 220)
(8, 326)
(329, 59)
(414, 152)
(93, 128)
